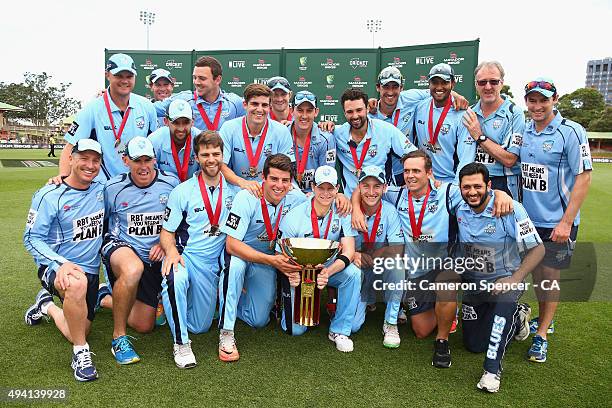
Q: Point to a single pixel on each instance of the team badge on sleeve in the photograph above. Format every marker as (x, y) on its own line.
(516, 140)
(32, 214)
(525, 228)
(330, 156)
(167, 214)
(73, 128)
(233, 221)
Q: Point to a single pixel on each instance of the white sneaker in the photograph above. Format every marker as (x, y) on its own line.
(392, 337)
(489, 382)
(524, 314)
(183, 356)
(343, 343)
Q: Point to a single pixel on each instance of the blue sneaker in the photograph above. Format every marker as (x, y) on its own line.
(103, 291)
(538, 349)
(83, 367)
(123, 351)
(33, 315)
(533, 326)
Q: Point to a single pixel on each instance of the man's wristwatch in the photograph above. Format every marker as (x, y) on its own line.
(481, 139)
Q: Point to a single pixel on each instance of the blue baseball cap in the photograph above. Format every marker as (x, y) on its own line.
(372, 171)
(443, 71)
(326, 174)
(179, 108)
(543, 85)
(158, 73)
(138, 147)
(120, 62)
(82, 145)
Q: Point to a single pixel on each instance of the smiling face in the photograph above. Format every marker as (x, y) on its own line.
(440, 90)
(276, 185)
(474, 190)
(371, 190)
(179, 129)
(325, 194)
(210, 158)
(162, 89)
(304, 116)
(280, 100)
(540, 107)
(355, 113)
(389, 94)
(84, 167)
(416, 176)
(257, 109)
(122, 83)
(205, 85)
(489, 94)
(142, 170)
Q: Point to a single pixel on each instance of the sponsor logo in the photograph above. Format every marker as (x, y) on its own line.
(495, 339)
(329, 118)
(397, 62)
(469, 313)
(32, 214)
(148, 64)
(144, 224)
(458, 78)
(411, 302)
(328, 101)
(163, 198)
(167, 214)
(432, 207)
(236, 64)
(358, 63)
(88, 227)
(330, 64)
(302, 82)
(140, 122)
(357, 82)
(453, 59)
(421, 81)
(490, 228)
(303, 61)
(445, 129)
(329, 79)
(260, 80)
(262, 64)
(232, 221)
(236, 82)
(73, 128)
(428, 60)
(228, 202)
(172, 64)
(547, 145)
(335, 226)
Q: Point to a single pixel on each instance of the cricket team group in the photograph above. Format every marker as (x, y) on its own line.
(182, 202)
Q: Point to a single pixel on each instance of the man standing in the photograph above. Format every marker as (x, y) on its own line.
(313, 147)
(556, 174)
(64, 234)
(211, 105)
(193, 243)
(362, 142)
(135, 204)
(249, 140)
(280, 110)
(51, 147)
(247, 288)
(496, 124)
(505, 251)
(438, 129)
(173, 144)
(112, 119)
(162, 85)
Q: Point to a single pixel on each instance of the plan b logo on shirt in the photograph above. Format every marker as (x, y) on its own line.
(525, 228)
(88, 227)
(233, 221)
(144, 224)
(585, 151)
(330, 157)
(32, 214)
(517, 140)
(535, 177)
(73, 128)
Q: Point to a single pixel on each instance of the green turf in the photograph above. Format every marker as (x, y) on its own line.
(278, 370)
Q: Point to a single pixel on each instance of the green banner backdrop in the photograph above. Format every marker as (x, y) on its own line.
(325, 72)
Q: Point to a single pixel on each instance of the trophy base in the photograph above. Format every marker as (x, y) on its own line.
(307, 300)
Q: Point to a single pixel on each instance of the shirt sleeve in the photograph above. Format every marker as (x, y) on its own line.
(152, 115)
(392, 194)
(466, 149)
(82, 126)
(239, 217)
(38, 226)
(285, 143)
(327, 152)
(514, 137)
(400, 144)
(524, 231)
(454, 197)
(410, 98)
(578, 151)
(174, 210)
(347, 228)
(226, 135)
(394, 227)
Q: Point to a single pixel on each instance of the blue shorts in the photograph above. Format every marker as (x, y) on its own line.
(558, 255)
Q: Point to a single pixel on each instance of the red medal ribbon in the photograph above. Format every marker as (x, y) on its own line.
(359, 163)
(253, 158)
(213, 218)
(181, 169)
(397, 112)
(266, 217)
(273, 116)
(315, 221)
(416, 226)
(110, 116)
(371, 238)
(210, 126)
(301, 164)
(433, 136)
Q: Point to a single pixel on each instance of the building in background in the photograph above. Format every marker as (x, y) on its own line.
(599, 76)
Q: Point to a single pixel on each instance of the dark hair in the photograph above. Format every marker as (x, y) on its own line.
(474, 168)
(212, 63)
(207, 138)
(418, 153)
(253, 90)
(278, 161)
(353, 94)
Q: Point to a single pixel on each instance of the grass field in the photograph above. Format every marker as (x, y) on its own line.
(277, 370)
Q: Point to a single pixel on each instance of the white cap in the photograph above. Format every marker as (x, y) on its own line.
(82, 145)
(326, 174)
(138, 147)
(179, 108)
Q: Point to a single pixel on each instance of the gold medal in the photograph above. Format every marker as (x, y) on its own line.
(358, 172)
(117, 142)
(272, 245)
(214, 229)
(252, 171)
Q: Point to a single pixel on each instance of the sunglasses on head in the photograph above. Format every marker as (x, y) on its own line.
(542, 85)
(304, 95)
(272, 82)
(389, 75)
(493, 82)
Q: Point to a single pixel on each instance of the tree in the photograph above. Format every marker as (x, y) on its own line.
(44, 104)
(582, 106)
(506, 91)
(603, 123)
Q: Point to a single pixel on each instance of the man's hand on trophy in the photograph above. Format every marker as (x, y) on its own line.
(284, 264)
(322, 278)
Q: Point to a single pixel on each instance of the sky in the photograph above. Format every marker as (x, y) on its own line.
(67, 38)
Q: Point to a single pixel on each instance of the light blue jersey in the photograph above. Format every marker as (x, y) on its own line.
(278, 140)
(246, 223)
(231, 107)
(389, 229)
(322, 152)
(186, 216)
(438, 227)
(93, 122)
(401, 118)
(454, 148)
(66, 225)
(550, 162)
(384, 139)
(498, 242)
(135, 214)
(162, 145)
(505, 127)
